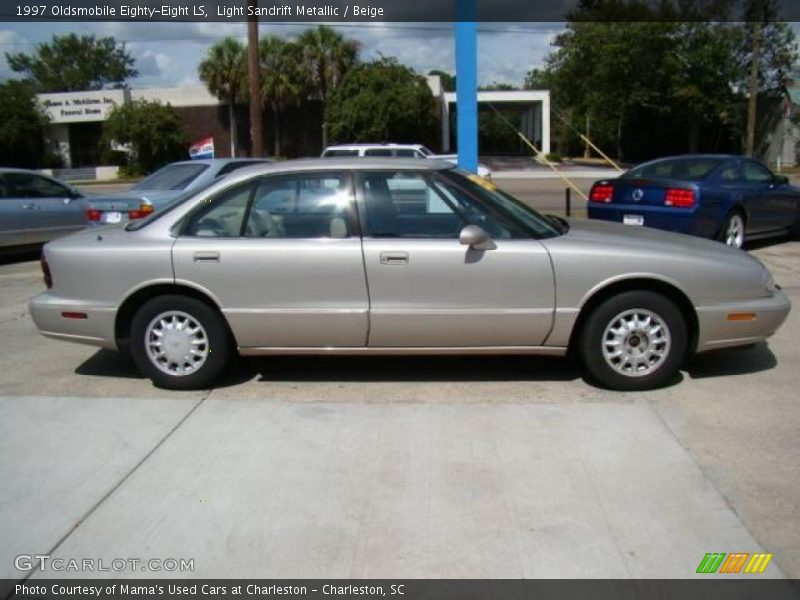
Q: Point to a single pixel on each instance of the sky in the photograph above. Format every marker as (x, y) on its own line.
(167, 54)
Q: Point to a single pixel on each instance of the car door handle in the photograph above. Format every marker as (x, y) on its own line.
(394, 258)
(206, 256)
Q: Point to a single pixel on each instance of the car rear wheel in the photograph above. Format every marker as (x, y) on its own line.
(634, 341)
(180, 343)
(732, 231)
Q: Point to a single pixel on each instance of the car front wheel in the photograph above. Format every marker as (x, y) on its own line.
(634, 341)
(180, 343)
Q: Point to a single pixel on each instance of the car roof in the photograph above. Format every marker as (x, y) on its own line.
(371, 145)
(696, 156)
(347, 163)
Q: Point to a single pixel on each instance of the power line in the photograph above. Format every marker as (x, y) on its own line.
(199, 38)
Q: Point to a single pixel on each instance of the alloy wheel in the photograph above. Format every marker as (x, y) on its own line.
(636, 342)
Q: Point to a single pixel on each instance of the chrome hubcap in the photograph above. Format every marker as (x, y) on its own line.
(734, 234)
(176, 343)
(636, 342)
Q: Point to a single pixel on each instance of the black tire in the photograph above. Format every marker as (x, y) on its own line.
(592, 342)
(722, 234)
(217, 349)
(794, 230)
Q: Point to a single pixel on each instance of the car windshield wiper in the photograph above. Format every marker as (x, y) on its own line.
(561, 224)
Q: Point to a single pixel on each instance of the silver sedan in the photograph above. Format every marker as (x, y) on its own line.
(395, 256)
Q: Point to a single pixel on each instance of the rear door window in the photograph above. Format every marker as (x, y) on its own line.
(752, 172)
(335, 153)
(378, 152)
(309, 205)
(28, 185)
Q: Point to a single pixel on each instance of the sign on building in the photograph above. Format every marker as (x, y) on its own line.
(80, 107)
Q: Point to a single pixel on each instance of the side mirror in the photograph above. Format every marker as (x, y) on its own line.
(781, 180)
(476, 238)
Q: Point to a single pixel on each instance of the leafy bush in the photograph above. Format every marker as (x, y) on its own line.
(553, 157)
(152, 130)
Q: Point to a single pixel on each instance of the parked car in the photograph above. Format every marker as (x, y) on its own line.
(159, 188)
(728, 198)
(397, 150)
(335, 256)
(35, 208)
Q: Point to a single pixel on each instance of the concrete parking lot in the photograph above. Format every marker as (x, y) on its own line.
(398, 467)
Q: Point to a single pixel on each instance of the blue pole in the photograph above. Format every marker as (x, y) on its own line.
(467, 85)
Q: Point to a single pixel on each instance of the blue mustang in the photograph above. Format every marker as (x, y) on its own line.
(728, 198)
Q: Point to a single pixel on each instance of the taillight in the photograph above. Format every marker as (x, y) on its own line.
(93, 214)
(601, 193)
(679, 198)
(141, 212)
(48, 278)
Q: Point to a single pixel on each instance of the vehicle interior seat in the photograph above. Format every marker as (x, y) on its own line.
(381, 211)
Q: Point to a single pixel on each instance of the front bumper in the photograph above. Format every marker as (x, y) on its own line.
(717, 330)
(97, 329)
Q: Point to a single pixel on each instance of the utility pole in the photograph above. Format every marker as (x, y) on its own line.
(467, 84)
(758, 25)
(254, 78)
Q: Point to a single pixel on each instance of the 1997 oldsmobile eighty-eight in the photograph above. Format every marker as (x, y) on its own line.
(395, 256)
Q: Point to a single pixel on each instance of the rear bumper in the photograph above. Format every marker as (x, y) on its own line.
(97, 329)
(680, 220)
(717, 330)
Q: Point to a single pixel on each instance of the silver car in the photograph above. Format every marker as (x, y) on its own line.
(395, 256)
(161, 187)
(35, 208)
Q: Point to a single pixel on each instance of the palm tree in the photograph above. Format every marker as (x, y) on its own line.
(223, 72)
(282, 79)
(327, 56)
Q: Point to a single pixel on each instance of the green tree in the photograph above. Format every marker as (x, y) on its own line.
(224, 71)
(382, 101)
(22, 125)
(152, 131)
(72, 63)
(327, 58)
(282, 79)
(603, 68)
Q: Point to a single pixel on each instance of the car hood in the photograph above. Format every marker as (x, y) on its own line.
(647, 238)
(594, 252)
(131, 199)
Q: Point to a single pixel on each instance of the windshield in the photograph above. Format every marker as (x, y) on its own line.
(171, 177)
(168, 207)
(538, 225)
(683, 169)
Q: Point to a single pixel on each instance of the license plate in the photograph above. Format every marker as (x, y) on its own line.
(112, 217)
(633, 219)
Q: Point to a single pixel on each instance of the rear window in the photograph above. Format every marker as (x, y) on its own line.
(684, 169)
(334, 153)
(171, 177)
(236, 165)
